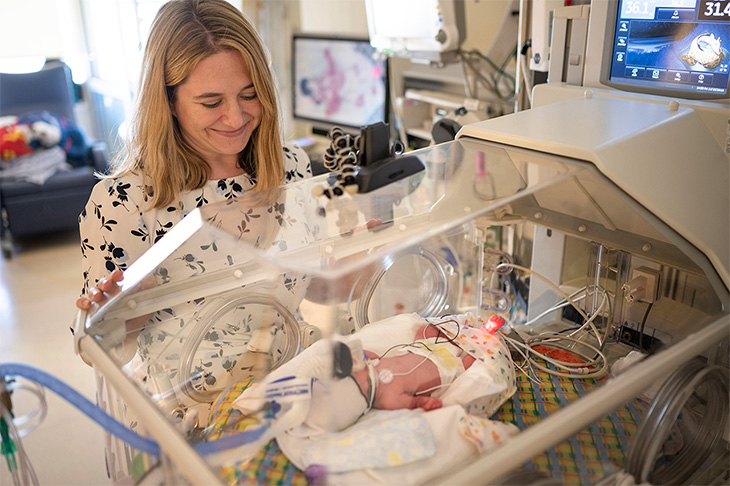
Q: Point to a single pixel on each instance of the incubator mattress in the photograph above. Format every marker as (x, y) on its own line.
(588, 456)
(583, 459)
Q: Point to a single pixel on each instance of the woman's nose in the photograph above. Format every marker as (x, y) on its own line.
(234, 114)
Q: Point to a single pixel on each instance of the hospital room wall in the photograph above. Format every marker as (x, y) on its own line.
(483, 18)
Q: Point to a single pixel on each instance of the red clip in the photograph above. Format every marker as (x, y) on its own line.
(493, 324)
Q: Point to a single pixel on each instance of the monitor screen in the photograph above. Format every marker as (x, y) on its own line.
(671, 47)
(338, 82)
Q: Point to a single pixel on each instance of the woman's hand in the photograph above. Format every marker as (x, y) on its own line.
(105, 289)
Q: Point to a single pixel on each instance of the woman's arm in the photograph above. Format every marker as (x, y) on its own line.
(113, 236)
(113, 233)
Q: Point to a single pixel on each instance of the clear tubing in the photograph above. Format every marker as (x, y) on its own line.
(188, 462)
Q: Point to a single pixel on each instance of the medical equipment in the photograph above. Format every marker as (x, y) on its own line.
(674, 49)
(583, 189)
(338, 81)
(471, 191)
(433, 30)
(474, 194)
(660, 47)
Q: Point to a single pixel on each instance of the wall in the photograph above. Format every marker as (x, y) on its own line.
(483, 18)
(333, 16)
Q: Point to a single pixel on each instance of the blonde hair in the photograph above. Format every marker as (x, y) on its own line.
(184, 33)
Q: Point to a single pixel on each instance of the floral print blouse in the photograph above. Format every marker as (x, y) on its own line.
(115, 231)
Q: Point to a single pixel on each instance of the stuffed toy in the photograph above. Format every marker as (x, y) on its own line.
(44, 135)
(41, 130)
(14, 141)
(18, 139)
(72, 139)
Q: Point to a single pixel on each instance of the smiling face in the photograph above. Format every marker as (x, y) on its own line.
(217, 110)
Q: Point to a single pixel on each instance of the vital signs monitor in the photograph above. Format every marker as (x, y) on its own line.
(668, 47)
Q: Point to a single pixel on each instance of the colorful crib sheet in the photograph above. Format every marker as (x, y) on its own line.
(586, 457)
(270, 466)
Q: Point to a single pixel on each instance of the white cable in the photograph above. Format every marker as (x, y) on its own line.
(526, 359)
(427, 390)
(582, 367)
(567, 364)
(566, 297)
(589, 322)
(411, 370)
(547, 281)
(25, 473)
(583, 373)
(555, 345)
(578, 295)
(572, 370)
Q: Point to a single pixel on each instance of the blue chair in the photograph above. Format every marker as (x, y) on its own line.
(29, 208)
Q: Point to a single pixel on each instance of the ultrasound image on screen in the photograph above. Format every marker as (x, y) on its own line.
(675, 45)
(671, 46)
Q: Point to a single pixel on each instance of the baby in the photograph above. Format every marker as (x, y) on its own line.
(416, 375)
(412, 375)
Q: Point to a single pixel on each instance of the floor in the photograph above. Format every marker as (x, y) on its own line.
(38, 287)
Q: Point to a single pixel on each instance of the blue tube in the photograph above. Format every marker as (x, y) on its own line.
(110, 424)
(82, 403)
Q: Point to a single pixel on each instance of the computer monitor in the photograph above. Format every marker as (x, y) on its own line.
(668, 47)
(338, 81)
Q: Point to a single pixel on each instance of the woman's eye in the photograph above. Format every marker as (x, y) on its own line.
(211, 105)
(250, 97)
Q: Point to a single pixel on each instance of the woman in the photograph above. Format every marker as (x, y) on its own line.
(205, 129)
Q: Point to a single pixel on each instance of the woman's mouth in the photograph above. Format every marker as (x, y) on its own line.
(230, 133)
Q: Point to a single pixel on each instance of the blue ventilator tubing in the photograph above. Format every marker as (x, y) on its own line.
(110, 424)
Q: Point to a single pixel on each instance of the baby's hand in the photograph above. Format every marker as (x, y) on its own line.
(427, 403)
(105, 289)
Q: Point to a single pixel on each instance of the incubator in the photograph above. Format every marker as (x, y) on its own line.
(568, 232)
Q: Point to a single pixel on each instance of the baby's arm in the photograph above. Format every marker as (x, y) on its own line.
(389, 399)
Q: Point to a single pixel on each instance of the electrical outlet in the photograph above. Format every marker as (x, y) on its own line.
(637, 339)
(651, 284)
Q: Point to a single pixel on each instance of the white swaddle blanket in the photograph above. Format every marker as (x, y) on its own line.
(386, 446)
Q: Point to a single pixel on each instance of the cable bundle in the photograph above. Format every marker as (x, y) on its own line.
(588, 362)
